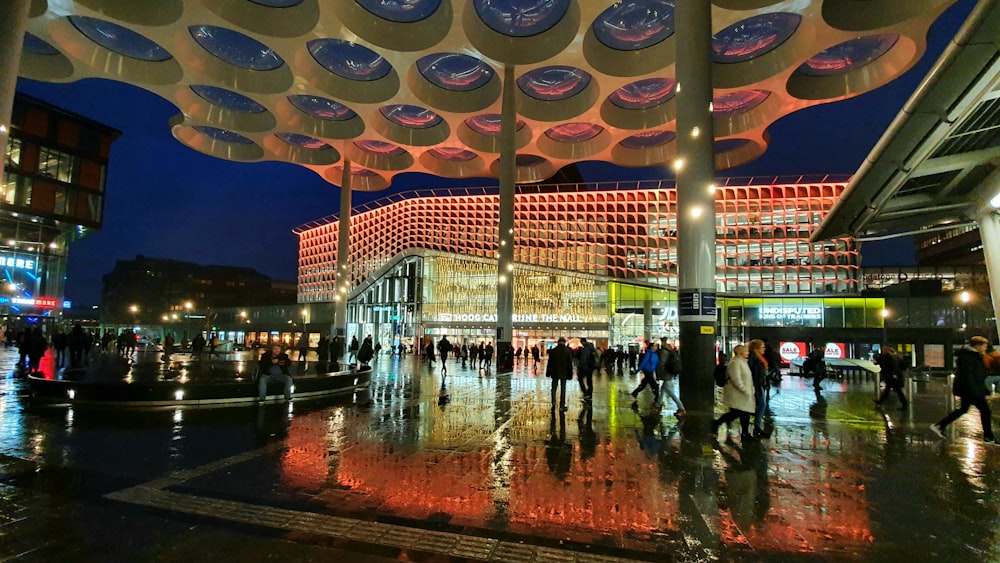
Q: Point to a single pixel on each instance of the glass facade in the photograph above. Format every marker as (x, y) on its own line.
(55, 165)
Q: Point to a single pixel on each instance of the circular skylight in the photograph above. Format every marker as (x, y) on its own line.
(521, 18)
(304, 141)
(228, 99)
(121, 40)
(644, 94)
(452, 154)
(411, 117)
(37, 46)
(742, 101)
(379, 147)
(727, 145)
(223, 135)
(322, 108)
(528, 160)
(235, 48)
(848, 55)
(753, 37)
(552, 83)
(488, 124)
(629, 25)
(349, 60)
(454, 71)
(277, 3)
(648, 139)
(574, 132)
(401, 11)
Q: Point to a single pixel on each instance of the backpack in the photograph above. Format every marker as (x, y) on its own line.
(673, 362)
(721, 375)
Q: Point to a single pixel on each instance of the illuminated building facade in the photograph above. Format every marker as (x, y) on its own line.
(55, 165)
(599, 261)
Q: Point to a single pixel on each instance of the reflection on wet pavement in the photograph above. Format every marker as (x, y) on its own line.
(480, 455)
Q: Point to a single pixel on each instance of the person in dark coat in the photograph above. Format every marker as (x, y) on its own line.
(59, 342)
(585, 365)
(76, 341)
(274, 367)
(560, 370)
(322, 353)
(891, 374)
(758, 370)
(367, 352)
(970, 387)
(37, 345)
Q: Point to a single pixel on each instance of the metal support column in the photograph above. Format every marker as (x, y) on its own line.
(343, 281)
(989, 232)
(505, 255)
(12, 27)
(695, 204)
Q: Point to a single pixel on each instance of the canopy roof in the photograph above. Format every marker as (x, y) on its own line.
(939, 161)
(414, 85)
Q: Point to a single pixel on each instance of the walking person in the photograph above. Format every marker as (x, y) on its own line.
(970, 388)
(352, 350)
(647, 366)
(585, 366)
(758, 371)
(739, 393)
(892, 375)
(667, 370)
(560, 370)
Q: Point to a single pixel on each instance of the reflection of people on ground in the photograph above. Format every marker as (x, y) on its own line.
(970, 388)
(274, 367)
(891, 375)
(817, 414)
(558, 454)
(648, 440)
(747, 485)
(585, 428)
(560, 370)
(443, 397)
(738, 393)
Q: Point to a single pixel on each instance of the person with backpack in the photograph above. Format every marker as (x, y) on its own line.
(647, 366)
(738, 394)
(586, 365)
(667, 369)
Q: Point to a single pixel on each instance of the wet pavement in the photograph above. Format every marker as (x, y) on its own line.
(480, 469)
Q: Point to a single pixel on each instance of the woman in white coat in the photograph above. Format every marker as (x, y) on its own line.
(738, 393)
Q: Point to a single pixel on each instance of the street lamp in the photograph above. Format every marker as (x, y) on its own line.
(885, 319)
(965, 296)
(135, 314)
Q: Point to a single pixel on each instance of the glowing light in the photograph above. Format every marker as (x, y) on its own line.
(678, 164)
(71, 394)
(696, 212)
(503, 278)
(995, 202)
(695, 132)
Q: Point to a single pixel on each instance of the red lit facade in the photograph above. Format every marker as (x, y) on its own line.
(630, 235)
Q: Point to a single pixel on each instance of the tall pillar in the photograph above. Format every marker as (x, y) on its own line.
(343, 283)
(989, 232)
(647, 321)
(12, 27)
(505, 255)
(695, 204)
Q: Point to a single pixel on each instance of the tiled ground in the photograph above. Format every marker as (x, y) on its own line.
(489, 474)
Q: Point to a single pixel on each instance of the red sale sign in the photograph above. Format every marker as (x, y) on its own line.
(835, 350)
(791, 350)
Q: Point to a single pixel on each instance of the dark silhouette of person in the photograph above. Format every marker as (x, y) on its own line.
(970, 388)
(560, 370)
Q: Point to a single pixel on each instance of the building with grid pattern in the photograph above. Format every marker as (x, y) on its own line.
(591, 260)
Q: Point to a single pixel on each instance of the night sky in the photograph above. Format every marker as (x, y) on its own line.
(165, 200)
